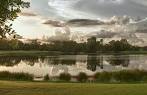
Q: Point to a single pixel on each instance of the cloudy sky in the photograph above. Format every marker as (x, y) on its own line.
(30, 23)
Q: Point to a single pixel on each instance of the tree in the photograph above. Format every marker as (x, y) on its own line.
(82, 77)
(91, 45)
(65, 77)
(121, 45)
(46, 77)
(9, 10)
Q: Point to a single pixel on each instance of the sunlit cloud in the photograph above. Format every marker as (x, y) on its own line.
(109, 19)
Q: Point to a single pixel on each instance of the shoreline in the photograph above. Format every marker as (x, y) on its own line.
(45, 53)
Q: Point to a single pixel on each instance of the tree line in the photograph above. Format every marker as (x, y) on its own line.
(91, 46)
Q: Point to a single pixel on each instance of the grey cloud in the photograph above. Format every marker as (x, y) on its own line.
(105, 9)
(131, 37)
(54, 23)
(102, 34)
(84, 22)
(100, 8)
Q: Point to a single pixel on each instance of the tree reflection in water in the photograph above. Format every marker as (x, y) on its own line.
(93, 61)
(61, 60)
(10, 61)
(116, 60)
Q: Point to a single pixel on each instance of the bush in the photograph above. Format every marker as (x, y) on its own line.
(96, 76)
(130, 76)
(46, 77)
(122, 76)
(15, 76)
(103, 77)
(82, 77)
(65, 77)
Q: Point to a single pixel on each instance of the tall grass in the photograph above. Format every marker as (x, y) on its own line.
(15, 76)
(107, 77)
(122, 76)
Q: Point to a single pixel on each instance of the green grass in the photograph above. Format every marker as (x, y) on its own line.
(39, 88)
(27, 53)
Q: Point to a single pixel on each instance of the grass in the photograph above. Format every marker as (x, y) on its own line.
(27, 53)
(39, 88)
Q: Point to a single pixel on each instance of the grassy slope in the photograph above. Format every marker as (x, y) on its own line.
(35, 88)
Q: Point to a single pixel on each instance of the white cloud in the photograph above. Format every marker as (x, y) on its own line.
(85, 9)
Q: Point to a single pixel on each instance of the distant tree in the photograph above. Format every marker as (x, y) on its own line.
(13, 44)
(91, 45)
(121, 45)
(99, 45)
(9, 10)
(35, 44)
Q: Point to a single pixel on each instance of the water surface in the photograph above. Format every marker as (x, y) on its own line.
(73, 64)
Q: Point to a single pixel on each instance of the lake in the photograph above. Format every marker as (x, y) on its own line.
(40, 66)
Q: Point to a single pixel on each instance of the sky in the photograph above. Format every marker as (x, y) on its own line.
(30, 23)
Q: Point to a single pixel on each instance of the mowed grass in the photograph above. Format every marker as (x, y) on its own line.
(38, 88)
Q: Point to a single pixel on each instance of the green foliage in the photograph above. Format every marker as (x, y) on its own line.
(121, 45)
(15, 76)
(130, 76)
(9, 10)
(69, 46)
(82, 77)
(65, 77)
(46, 77)
(91, 45)
(122, 76)
(103, 77)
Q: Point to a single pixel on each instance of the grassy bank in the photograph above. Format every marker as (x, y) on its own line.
(28, 53)
(45, 53)
(36, 88)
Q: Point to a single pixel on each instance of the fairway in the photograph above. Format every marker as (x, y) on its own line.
(37, 88)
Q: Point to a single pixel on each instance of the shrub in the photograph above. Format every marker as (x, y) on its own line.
(122, 76)
(103, 77)
(46, 77)
(82, 77)
(15, 76)
(130, 76)
(65, 77)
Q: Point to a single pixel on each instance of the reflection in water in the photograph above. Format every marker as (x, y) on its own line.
(61, 60)
(93, 61)
(73, 64)
(116, 60)
(15, 60)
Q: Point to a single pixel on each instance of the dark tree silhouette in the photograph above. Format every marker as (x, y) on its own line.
(9, 10)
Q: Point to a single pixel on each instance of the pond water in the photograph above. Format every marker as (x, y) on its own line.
(73, 64)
